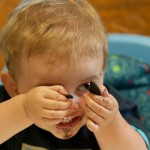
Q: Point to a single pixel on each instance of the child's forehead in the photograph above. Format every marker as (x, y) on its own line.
(67, 51)
(44, 63)
(63, 59)
(61, 71)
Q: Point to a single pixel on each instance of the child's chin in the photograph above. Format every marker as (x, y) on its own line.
(64, 135)
(67, 133)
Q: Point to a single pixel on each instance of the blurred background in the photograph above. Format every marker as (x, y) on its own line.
(119, 16)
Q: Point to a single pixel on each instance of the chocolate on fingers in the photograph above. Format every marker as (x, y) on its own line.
(104, 101)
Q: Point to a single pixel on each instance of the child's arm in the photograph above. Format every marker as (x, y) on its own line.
(36, 107)
(108, 126)
(13, 117)
(120, 135)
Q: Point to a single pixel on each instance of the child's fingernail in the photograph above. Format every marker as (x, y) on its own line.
(104, 91)
(84, 95)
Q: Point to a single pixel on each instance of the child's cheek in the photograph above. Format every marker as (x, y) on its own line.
(82, 101)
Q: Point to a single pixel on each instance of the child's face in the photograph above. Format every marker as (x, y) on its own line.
(74, 78)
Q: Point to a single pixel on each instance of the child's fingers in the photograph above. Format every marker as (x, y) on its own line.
(92, 126)
(103, 101)
(55, 92)
(58, 88)
(61, 90)
(49, 93)
(95, 121)
(95, 111)
(56, 105)
(53, 95)
(100, 110)
(104, 91)
(54, 114)
(98, 114)
(106, 99)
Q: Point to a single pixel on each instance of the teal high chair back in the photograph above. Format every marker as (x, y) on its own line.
(130, 45)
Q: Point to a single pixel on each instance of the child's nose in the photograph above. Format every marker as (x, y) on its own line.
(78, 101)
(74, 107)
(75, 98)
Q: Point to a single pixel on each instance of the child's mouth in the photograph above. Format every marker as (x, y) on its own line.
(69, 122)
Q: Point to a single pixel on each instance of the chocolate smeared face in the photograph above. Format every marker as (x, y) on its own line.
(76, 81)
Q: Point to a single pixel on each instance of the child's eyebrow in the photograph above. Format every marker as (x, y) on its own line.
(91, 78)
(45, 84)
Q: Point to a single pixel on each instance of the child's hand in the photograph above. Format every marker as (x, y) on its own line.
(100, 110)
(46, 106)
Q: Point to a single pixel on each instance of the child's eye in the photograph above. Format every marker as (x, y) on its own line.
(84, 87)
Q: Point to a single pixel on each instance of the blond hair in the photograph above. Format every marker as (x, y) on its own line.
(63, 28)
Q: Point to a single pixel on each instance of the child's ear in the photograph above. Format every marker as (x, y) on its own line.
(9, 83)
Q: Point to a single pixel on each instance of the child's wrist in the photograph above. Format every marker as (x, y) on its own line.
(111, 126)
(22, 98)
